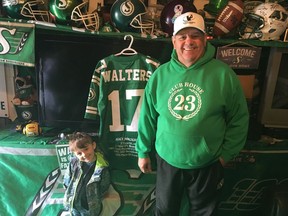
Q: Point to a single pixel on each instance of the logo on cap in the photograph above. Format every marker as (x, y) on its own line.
(187, 18)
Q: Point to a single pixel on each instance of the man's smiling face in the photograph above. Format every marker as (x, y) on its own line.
(190, 44)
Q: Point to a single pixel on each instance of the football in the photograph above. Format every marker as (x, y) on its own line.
(228, 18)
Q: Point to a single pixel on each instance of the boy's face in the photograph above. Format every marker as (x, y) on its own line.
(86, 154)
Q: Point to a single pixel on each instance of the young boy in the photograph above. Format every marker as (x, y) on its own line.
(87, 177)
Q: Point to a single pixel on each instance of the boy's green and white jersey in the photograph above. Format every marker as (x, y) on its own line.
(115, 94)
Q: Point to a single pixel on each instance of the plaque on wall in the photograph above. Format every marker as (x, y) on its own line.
(240, 57)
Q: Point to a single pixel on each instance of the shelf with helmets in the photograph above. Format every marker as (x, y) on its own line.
(259, 24)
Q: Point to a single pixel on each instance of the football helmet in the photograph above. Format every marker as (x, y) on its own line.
(61, 10)
(81, 17)
(26, 9)
(268, 21)
(172, 10)
(36, 10)
(24, 88)
(131, 16)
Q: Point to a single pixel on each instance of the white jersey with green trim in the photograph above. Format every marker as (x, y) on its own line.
(115, 95)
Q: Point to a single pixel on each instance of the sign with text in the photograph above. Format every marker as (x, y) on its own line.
(239, 57)
(3, 94)
(63, 155)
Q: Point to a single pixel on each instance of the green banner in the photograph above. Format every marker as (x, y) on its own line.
(17, 43)
(31, 182)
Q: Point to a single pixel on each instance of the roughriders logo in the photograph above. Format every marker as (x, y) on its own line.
(12, 41)
(127, 8)
(92, 94)
(61, 4)
(26, 115)
(185, 100)
(17, 43)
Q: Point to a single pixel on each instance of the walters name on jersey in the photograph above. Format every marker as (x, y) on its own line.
(126, 75)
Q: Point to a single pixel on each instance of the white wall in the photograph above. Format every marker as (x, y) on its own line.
(7, 91)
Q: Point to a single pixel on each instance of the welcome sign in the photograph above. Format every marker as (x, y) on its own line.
(239, 57)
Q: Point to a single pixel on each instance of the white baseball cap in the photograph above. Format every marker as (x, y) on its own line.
(189, 20)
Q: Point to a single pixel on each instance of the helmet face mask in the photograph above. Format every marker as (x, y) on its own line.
(145, 25)
(81, 17)
(267, 22)
(252, 26)
(35, 10)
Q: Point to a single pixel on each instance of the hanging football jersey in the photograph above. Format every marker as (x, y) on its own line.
(115, 95)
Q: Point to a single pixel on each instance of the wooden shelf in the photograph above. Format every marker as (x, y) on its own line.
(53, 29)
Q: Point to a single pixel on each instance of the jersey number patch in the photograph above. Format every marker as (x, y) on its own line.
(116, 114)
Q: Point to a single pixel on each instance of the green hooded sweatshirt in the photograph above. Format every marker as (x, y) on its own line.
(193, 115)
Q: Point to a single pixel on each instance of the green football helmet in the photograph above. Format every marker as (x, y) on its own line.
(61, 10)
(130, 16)
(74, 13)
(26, 9)
(12, 8)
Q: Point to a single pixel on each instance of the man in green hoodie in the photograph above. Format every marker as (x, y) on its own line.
(195, 114)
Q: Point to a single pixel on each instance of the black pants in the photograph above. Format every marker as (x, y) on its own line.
(202, 186)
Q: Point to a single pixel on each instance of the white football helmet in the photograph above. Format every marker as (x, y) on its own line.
(268, 21)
